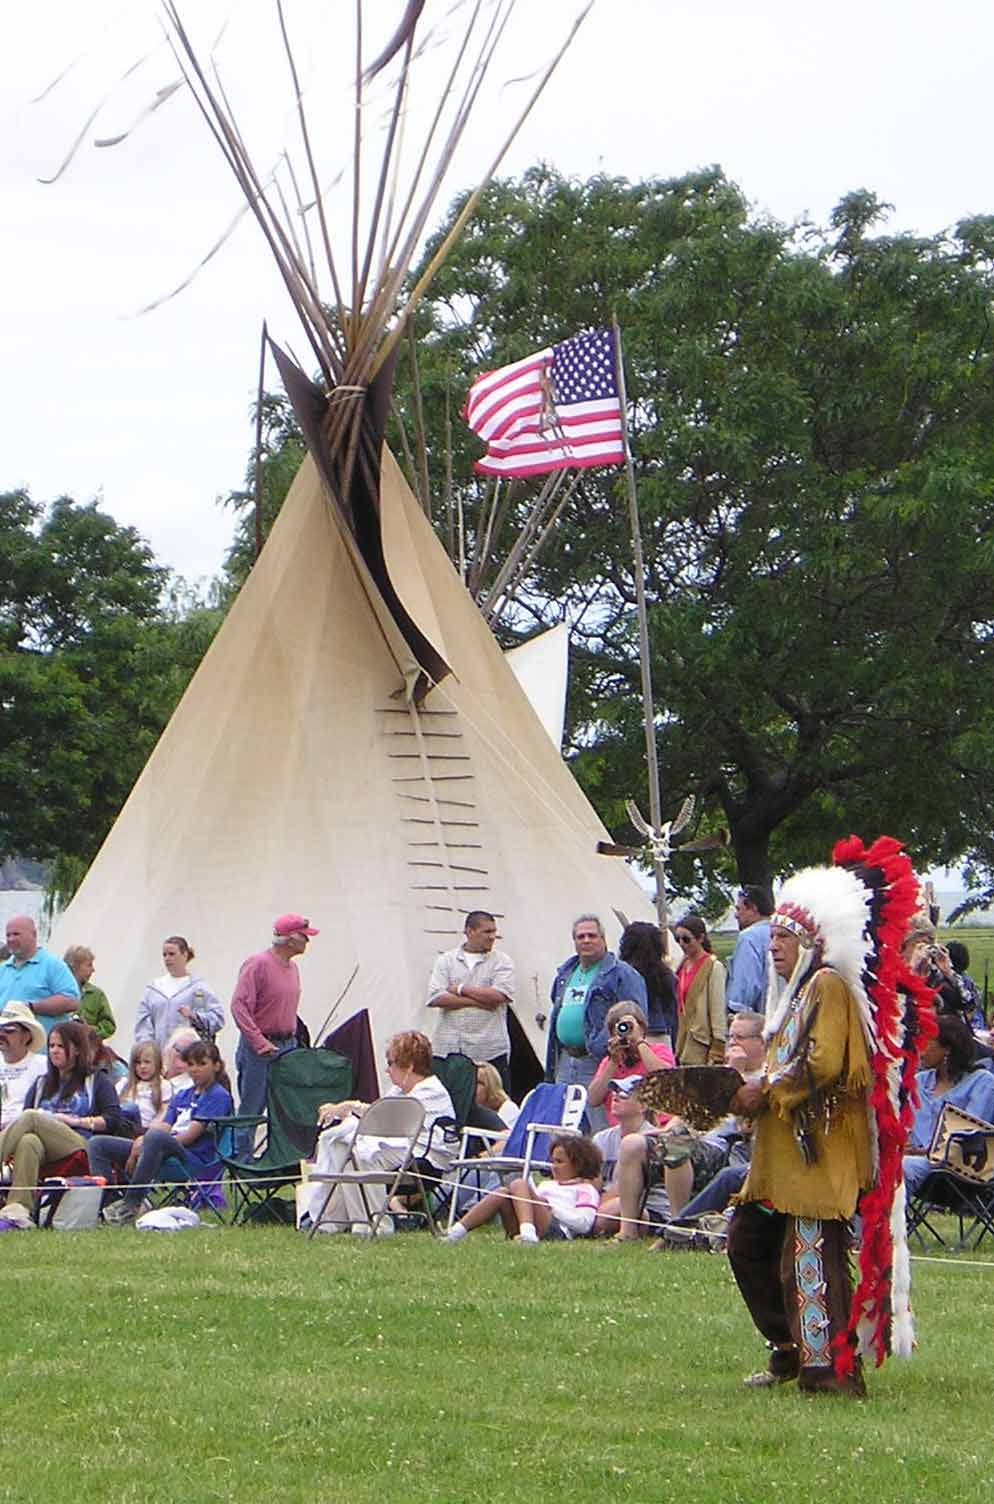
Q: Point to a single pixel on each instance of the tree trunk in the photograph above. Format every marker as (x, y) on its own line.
(752, 856)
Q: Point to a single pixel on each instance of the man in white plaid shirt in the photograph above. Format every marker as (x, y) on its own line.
(471, 987)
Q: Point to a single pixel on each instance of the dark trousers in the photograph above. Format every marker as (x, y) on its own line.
(793, 1273)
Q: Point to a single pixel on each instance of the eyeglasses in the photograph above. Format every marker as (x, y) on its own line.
(683, 939)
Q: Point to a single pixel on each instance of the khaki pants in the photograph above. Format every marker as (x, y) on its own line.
(30, 1142)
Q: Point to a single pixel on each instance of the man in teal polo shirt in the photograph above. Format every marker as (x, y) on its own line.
(36, 977)
(585, 987)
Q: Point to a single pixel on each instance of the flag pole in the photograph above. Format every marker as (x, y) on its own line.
(648, 704)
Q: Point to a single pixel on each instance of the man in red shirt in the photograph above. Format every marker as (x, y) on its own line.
(264, 1007)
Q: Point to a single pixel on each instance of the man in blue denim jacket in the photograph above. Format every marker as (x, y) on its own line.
(585, 987)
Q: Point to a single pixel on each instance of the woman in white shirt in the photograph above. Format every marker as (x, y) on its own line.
(177, 998)
(409, 1069)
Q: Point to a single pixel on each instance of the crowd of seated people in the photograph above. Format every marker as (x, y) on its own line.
(73, 1119)
(67, 1099)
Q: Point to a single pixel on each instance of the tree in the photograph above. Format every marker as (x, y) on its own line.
(94, 653)
(812, 426)
(812, 416)
(282, 450)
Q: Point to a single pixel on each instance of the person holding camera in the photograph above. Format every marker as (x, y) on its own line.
(630, 1056)
(924, 955)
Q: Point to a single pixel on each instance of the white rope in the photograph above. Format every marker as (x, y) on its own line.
(928, 1258)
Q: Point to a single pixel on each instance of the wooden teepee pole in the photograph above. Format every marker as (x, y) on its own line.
(258, 439)
(648, 704)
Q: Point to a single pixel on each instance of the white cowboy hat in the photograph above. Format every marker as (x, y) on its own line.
(20, 1013)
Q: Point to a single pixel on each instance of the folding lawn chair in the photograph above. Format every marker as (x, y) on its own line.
(299, 1082)
(549, 1108)
(54, 1180)
(961, 1182)
(399, 1119)
(202, 1190)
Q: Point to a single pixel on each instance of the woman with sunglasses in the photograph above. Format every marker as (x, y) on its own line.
(700, 994)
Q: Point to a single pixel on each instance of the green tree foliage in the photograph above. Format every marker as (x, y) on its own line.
(94, 652)
(811, 416)
(282, 450)
(812, 425)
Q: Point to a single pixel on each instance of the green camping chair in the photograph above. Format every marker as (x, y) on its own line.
(457, 1074)
(299, 1082)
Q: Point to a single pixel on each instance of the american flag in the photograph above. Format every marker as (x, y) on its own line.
(557, 410)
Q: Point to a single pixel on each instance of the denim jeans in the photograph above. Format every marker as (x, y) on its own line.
(716, 1195)
(579, 1070)
(253, 1081)
(157, 1146)
(106, 1153)
(917, 1169)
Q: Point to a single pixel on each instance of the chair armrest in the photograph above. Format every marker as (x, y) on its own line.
(491, 1135)
(235, 1120)
(532, 1132)
(447, 1129)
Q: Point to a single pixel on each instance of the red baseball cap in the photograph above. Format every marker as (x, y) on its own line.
(293, 924)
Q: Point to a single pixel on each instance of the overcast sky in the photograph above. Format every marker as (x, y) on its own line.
(798, 103)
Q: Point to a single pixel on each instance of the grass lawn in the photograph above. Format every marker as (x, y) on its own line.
(979, 941)
(248, 1364)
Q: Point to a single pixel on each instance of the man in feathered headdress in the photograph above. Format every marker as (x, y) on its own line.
(832, 1113)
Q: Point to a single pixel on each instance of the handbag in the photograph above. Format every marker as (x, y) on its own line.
(69, 1203)
(964, 1145)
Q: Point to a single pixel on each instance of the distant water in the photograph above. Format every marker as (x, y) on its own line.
(948, 901)
(22, 901)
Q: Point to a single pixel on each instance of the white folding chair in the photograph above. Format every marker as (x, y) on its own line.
(397, 1119)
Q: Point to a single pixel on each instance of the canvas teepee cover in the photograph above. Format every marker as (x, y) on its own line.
(354, 746)
(298, 772)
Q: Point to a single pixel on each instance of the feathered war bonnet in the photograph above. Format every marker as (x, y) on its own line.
(827, 909)
(853, 917)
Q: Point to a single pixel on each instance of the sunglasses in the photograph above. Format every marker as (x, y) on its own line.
(683, 939)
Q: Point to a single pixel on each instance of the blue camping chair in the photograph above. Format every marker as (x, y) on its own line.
(548, 1109)
(202, 1190)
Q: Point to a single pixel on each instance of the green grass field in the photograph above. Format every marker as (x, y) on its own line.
(249, 1364)
(979, 942)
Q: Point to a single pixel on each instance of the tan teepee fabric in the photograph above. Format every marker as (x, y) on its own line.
(541, 667)
(295, 775)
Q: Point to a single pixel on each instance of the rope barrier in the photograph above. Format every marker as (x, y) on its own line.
(929, 1258)
(444, 1181)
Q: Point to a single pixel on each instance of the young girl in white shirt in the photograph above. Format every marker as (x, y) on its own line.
(563, 1207)
(145, 1084)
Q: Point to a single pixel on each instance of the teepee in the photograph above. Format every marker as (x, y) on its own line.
(298, 773)
(354, 746)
